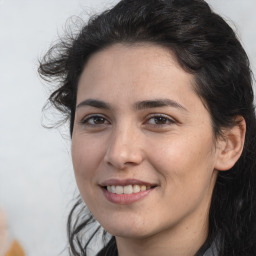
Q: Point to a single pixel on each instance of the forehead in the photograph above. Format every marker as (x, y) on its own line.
(133, 73)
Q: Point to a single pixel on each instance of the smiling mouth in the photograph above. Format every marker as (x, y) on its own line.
(128, 189)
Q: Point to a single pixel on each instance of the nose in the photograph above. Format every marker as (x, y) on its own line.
(124, 148)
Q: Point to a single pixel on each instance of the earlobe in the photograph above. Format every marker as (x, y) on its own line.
(230, 145)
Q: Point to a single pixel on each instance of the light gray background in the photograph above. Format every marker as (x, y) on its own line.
(36, 178)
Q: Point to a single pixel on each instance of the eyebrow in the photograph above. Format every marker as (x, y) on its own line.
(94, 103)
(138, 105)
(158, 103)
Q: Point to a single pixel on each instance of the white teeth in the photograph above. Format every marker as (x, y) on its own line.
(136, 188)
(113, 189)
(128, 189)
(143, 188)
(119, 190)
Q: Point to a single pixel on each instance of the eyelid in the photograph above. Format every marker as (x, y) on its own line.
(86, 118)
(171, 120)
(156, 115)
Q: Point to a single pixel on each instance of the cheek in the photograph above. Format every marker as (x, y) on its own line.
(184, 160)
(187, 176)
(86, 156)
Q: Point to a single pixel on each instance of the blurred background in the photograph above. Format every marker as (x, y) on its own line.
(37, 185)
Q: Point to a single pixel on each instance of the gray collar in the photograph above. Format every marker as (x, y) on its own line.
(212, 251)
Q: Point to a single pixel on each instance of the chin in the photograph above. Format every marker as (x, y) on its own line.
(132, 234)
(128, 230)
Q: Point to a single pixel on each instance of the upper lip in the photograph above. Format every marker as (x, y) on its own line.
(125, 182)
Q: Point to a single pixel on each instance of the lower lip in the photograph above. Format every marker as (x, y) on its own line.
(125, 198)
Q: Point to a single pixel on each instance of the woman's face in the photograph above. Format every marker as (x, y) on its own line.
(143, 149)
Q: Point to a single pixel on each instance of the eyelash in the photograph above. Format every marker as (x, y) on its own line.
(155, 117)
(87, 119)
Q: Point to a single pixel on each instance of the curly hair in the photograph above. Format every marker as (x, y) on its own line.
(205, 46)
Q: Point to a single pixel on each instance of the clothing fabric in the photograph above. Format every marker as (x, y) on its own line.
(212, 251)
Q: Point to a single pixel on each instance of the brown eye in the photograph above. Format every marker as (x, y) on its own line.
(95, 120)
(160, 120)
(98, 120)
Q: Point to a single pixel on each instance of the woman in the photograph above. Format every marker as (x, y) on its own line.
(160, 102)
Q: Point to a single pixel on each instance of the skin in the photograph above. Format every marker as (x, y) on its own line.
(3, 233)
(170, 146)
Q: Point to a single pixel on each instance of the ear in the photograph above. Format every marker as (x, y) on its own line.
(230, 145)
